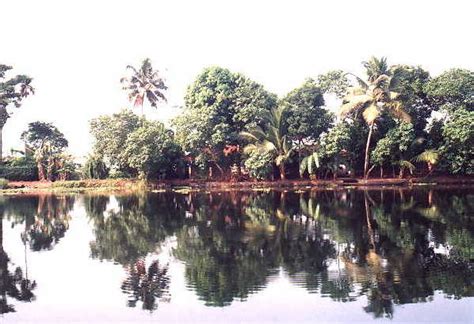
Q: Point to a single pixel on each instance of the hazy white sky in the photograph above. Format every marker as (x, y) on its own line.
(77, 51)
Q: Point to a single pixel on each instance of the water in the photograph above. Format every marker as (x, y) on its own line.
(345, 255)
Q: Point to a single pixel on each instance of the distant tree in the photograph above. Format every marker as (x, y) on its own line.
(12, 93)
(48, 143)
(144, 83)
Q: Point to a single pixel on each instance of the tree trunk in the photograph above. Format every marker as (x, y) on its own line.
(381, 172)
(41, 173)
(3, 119)
(369, 224)
(370, 170)
(282, 171)
(366, 162)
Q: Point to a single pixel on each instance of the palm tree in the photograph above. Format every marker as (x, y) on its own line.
(430, 157)
(374, 97)
(144, 83)
(12, 92)
(271, 138)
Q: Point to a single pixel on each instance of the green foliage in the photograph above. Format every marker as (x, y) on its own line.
(336, 141)
(110, 133)
(305, 116)
(334, 82)
(12, 91)
(95, 168)
(218, 106)
(151, 150)
(392, 148)
(410, 85)
(3, 183)
(19, 173)
(428, 156)
(457, 150)
(452, 89)
(259, 164)
(271, 138)
(376, 98)
(48, 145)
(309, 163)
(40, 134)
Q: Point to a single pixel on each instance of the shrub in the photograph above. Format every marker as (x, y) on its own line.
(19, 173)
(95, 168)
(3, 183)
(259, 165)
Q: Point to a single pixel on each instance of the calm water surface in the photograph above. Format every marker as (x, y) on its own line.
(348, 255)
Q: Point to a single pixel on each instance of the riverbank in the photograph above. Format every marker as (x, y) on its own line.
(18, 187)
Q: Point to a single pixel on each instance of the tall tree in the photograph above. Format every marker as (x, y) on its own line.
(218, 106)
(373, 98)
(12, 93)
(144, 83)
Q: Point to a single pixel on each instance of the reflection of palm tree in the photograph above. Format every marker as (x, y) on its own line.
(146, 285)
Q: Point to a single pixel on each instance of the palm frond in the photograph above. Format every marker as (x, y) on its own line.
(355, 103)
(371, 113)
(428, 156)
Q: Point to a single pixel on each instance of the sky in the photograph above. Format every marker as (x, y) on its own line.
(77, 51)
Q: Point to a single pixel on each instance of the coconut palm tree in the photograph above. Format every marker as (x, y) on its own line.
(144, 83)
(272, 138)
(373, 97)
(12, 92)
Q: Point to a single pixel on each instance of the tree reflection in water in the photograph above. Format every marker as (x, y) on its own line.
(146, 285)
(391, 247)
(127, 234)
(45, 219)
(379, 245)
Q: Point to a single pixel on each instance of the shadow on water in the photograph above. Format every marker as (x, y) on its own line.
(388, 247)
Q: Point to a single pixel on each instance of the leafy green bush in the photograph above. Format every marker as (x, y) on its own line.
(3, 183)
(95, 168)
(19, 173)
(259, 165)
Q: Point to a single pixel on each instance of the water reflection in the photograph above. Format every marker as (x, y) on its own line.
(383, 247)
(45, 219)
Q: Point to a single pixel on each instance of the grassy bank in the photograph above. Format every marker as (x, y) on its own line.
(132, 185)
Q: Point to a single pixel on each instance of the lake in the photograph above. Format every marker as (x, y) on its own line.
(257, 256)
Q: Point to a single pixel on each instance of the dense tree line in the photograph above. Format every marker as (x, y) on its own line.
(395, 120)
